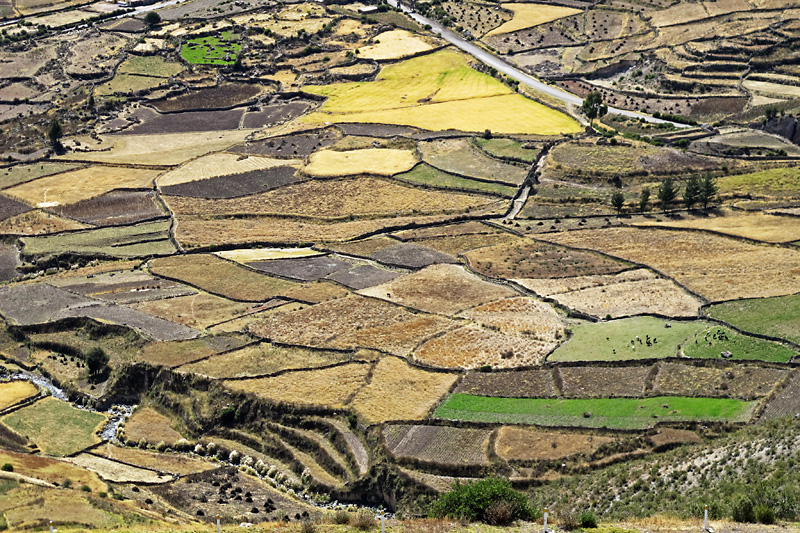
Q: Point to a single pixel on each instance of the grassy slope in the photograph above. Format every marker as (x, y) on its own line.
(426, 175)
(779, 316)
(704, 345)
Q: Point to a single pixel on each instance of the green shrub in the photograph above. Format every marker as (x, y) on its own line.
(7, 467)
(764, 514)
(471, 502)
(742, 510)
(86, 488)
(67, 483)
(588, 520)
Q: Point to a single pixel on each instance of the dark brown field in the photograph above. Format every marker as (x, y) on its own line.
(114, 208)
(236, 185)
(219, 97)
(290, 146)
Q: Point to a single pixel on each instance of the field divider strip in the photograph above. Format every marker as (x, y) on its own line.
(297, 370)
(126, 463)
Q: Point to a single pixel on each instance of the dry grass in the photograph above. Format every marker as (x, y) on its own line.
(50, 470)
(14, 392)
(742, 381)
(352, 322)
(176, 353)
(71, 187)
(718, 268)
(334, 199)
(151, 426)
(756, 226)
(174, 463)
(382, 161)
(772, 88)
(445, 289)
(221, 164)
(38, 222)
(394, 44)
(460, 157)
(529, 15)
(438, 444)
(474, 347)
(117, 472)
(632, 292)
(399, 391)
(520, 444)
(327, 387)
(198, 311)
(519, 315)
(249, 255)
(672, 437)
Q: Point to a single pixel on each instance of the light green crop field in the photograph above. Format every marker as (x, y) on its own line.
(55, 426)
(616, 413)
(772, 182)
(616, 340)
(777, 317)
(437, 92)
(138, 240)
(507, 148)
(212, 50)
(709, 344)
(423, 174)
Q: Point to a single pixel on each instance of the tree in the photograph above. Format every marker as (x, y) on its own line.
(593, 106)
(667, 192)
(96, 361)
(55, 132)
(618, 201)
(644, 199)
(691, 194)
(707, 190)
(152, 18)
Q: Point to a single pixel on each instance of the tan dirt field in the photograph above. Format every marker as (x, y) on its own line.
(521, 444)
(198, 311)
(117, 472)
(519, 315)
(153, 427)
(382, 161)
(756, 226)
(174, 463)
(394, 44)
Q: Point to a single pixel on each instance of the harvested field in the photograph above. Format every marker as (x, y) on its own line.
(786, 403)
(237, 185)
(626, 338)
(507, 148)
(50, 470)
(123, 84)
(778, 317)
(472, 347)
(174, 463)
(77, 185)
(424, 174)
(326, 387)
(522, 445)
(55, 426)
(151, 326)
(139, 240)
(717, 268)
(438, 444)
(305, 268)
(616, 413)
(721, 342)
(604, 382)
(177, 353)
(150, 66)
(756, 226)
(352, 322)
(264, 358)
(394, 44)
(219, 165)
(151, 426)
(631, 292)
(21, 173)
(738, 381)
(529, 15)
(411, 256)
(444, 289)
(198, 311)
(535, 259)
(471, 227)
(382, 161)
(117, 472)
(520, 315)
(189, 121)
(226, 278)
(11, 208)
(459, 156)
(339, 198)
(537, 383)
(456, 245)
(9, 260)
(299, 145)
(399, 391)
(13, 392)
(364, 276)
(113, 208)
(453, 95)
(37, 303)
(170, 149)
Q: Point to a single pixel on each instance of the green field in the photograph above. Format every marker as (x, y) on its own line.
(138, 240)
(423, 174)
(710, 343)
(507, 148)
(617, 413)
(776, 181)
(438, 91)
(212, 50)
(777, 317)
(599, 341)
(55, 426)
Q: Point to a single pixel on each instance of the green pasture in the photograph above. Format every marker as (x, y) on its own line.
(776, 317)
(211, 50)
(423, 174)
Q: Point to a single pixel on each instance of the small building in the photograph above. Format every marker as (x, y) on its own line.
(368, 10)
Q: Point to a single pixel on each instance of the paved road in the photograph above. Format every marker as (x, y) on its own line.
(493, 61)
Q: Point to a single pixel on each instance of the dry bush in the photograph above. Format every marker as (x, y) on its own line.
(500, 513)
(341, 517)
(363, 520)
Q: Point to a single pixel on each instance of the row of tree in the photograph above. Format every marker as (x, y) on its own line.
(698, 191)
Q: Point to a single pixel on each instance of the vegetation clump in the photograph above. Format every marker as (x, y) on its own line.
(490, 500)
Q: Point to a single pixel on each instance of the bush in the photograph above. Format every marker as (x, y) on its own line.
(588, 520)
(764, 514)
(7, 467)
(742, 510)
(86, 488)
(568, 519)
(472, 501)
(67, 483)
(364, 520)
(500, 513)
(308, 527)
(341, 517)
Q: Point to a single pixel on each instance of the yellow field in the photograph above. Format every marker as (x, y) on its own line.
(221, 164)
(519, 315)
(529, 15)
(71, 187)
(772, 88)
(128, 83)
(394, 45)
(15, 391)
(248, 255)
(118, 472)
(523, 444)
(382, 161)
(197, 311)
(757, 226)
(50, 470)
(399, 391)
(329, 387)
(166, 149)
(153, 427)
(436, 92)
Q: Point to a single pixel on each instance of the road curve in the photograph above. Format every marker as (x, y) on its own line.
(492, 60)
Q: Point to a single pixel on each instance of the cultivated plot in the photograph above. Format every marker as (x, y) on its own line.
(438, 444)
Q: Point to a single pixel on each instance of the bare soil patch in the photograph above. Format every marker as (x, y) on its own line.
(177, 353)
(117, 472)
(447, 230)
(221, 96)
(741, 381)
(377, 130)
(667, 437)
(521, 444)
(188, 122)
(198, 311)
(786, 402)
(304, 268)
(274, 114)
(536, 383)
(10, 208)
(604, 382)
(174, 463)
(411, 256)
(237, 185)
(9, 260)
(364, 276)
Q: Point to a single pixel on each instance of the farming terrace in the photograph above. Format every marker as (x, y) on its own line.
(257, 257)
